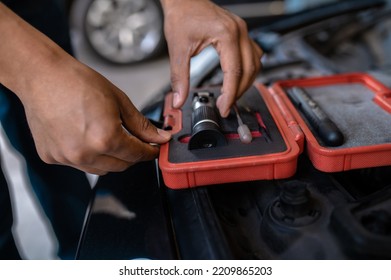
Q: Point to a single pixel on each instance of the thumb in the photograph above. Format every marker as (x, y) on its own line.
(180, 75)
(139, 126)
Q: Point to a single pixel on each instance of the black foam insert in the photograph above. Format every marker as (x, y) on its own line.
(249, 105)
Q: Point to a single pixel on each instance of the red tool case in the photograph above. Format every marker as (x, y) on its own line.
(358, 104)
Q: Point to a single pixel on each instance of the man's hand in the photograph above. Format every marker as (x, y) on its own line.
(76, 116)
(80, 119)
(192, 25)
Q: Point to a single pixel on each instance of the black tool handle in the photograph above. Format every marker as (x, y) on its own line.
(322, 124)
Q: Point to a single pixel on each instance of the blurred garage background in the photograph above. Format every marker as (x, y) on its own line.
(123, 40)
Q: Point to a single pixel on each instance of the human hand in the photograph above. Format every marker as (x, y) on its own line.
(78, 118)
(190, 26)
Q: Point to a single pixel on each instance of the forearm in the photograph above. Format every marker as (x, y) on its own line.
(26, 55)
(76, 116)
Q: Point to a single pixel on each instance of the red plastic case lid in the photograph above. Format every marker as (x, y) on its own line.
(331, 159)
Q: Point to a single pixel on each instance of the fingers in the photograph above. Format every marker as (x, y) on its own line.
(112, 144)
(240, 63)
(231, 65)
(103, 165)
(200, 24)
(251, 63)
(180, 73)
(138, 125)
(130, 149)
(106, 156)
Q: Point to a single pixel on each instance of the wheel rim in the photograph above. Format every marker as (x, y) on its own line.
(124, 31)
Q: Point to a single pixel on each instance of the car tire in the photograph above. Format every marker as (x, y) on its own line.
(124, 31)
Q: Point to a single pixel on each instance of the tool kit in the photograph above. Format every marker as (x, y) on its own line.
(342, 122)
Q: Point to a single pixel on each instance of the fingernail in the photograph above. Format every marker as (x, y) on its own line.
(176, 100)
(165, 134)
(224, 113)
